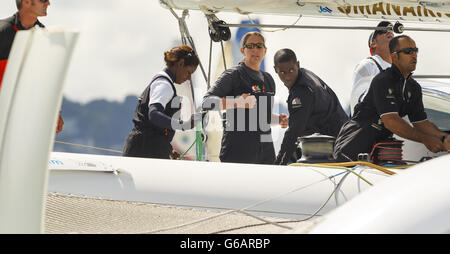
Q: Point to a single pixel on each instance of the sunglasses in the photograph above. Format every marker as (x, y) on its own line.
(188, 54)
(252, 45)
(43, 1)
(384, 31)
(408, 51)
(389, 28)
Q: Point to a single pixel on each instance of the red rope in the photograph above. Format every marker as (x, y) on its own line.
(391, 151)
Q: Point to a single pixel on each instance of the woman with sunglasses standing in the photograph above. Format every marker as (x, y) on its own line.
(247, 94)
(26, 18)
(155, 119)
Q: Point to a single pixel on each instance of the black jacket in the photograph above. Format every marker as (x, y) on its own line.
(8, 29)
(389, 92)
(239, 80)
(313, 108)
(247, 134)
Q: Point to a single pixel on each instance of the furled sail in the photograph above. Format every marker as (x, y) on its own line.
(405, 10)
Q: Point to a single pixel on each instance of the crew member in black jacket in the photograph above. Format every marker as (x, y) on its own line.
(392, 95)
(313, 106)
(246, 92)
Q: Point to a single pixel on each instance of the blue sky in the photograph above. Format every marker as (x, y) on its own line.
(121, 46)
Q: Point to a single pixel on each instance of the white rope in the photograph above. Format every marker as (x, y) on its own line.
(89, 147)
(244, 210)
(296, 221)
(233, 211)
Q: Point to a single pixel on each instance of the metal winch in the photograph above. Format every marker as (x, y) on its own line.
(316, 148)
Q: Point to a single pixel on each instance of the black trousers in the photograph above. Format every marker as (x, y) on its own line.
(146, 144)
(247, 147)
(355, 138)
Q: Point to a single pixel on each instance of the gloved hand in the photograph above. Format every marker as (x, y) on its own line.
(174, 155)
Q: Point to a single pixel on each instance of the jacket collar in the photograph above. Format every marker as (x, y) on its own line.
(299, 81)
(19, 25)
(398, 73)
(171, 75)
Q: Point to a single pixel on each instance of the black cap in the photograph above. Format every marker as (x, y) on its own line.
(374, 34)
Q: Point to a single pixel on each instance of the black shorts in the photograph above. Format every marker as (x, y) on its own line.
(245, 147)
(146, 144)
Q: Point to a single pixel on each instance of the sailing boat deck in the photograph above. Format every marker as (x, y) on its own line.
(83, 215)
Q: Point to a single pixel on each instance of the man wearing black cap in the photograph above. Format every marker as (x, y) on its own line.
(380, 59)
(25, 18)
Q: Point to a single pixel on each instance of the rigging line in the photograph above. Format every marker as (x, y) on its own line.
(234, 210)
(264, 220)
(365, 163)
(85, 146)
(209, 63)
(223, 55)
(276, 30)
(184, 154)
(228, 208)
(204, 207)
(338, 189)
(295, 221)
(371, 28)
(186, 36)
(332, 167)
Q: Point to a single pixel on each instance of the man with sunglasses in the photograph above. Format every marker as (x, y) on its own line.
(379, 59)
(392, 95)
(26, 18)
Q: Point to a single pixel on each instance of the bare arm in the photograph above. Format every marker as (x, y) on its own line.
(429, 128)
(397, 125)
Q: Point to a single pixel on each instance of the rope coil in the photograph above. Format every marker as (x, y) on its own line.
(387, 152)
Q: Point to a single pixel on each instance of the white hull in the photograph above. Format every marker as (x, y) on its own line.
(279, 189)
(414, 202)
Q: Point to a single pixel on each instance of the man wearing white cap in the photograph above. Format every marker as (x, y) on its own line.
(379, 60)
